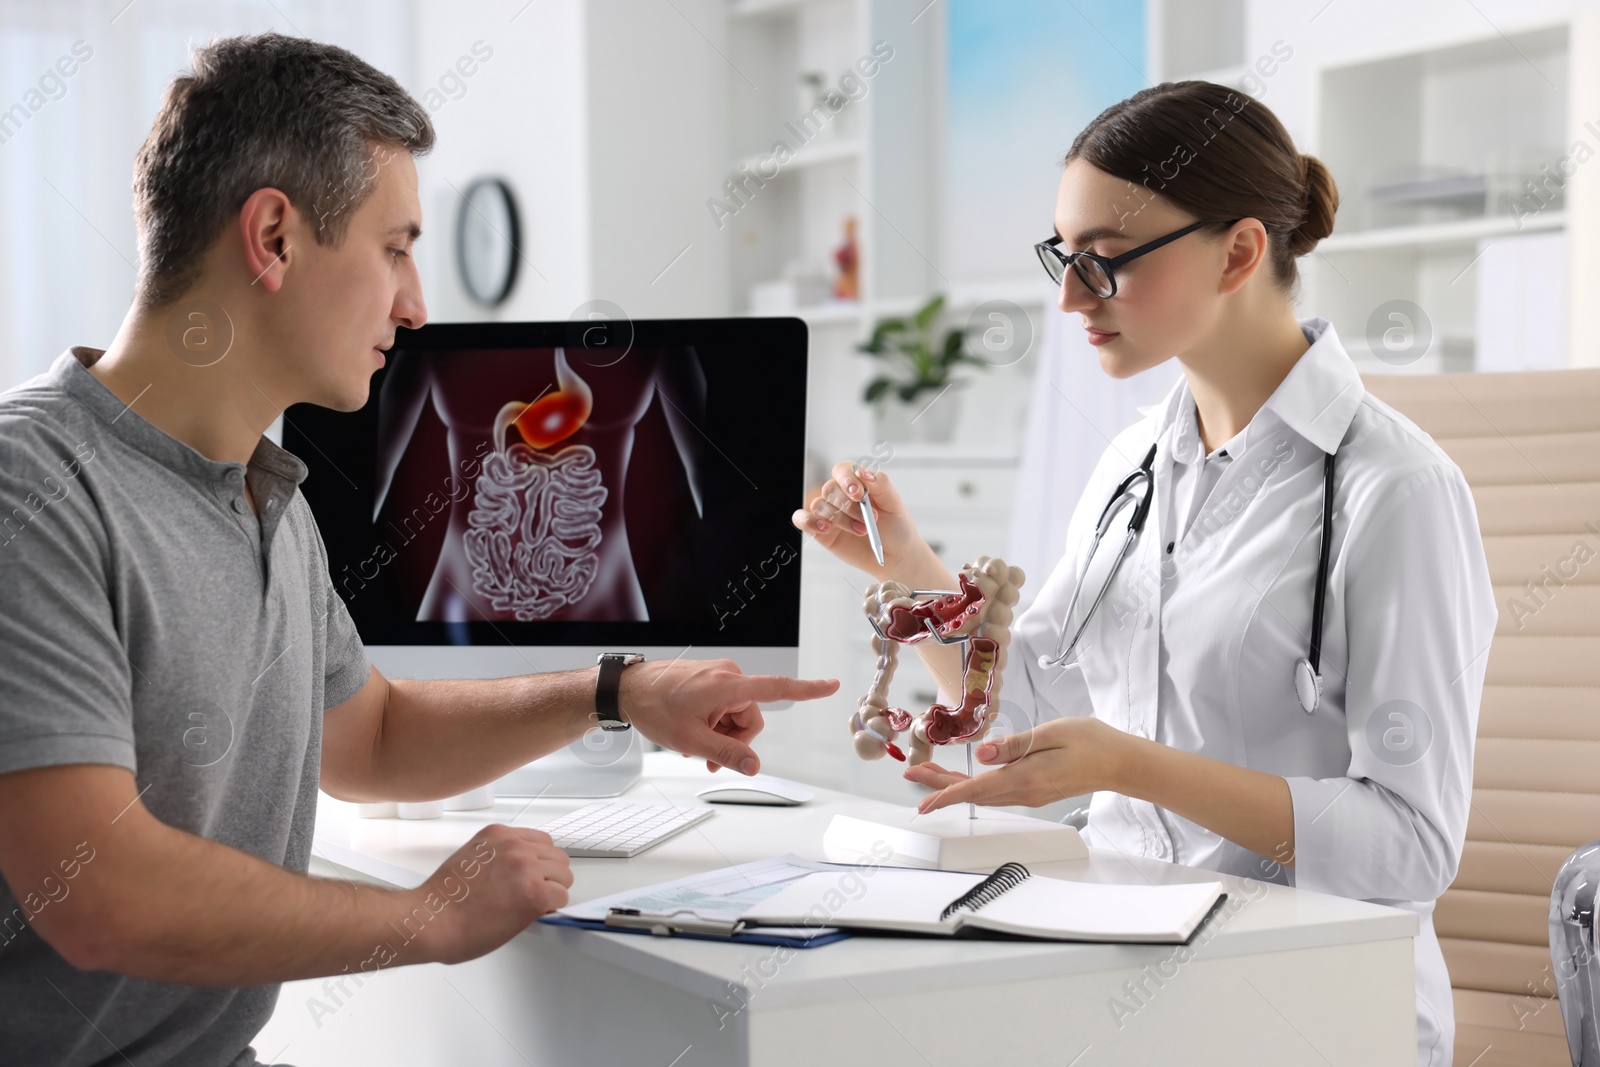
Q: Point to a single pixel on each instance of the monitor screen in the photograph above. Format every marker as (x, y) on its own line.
(566, 484)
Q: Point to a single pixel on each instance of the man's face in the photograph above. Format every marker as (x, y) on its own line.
(346, 300)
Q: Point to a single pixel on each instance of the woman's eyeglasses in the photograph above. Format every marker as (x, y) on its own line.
(1097, 272)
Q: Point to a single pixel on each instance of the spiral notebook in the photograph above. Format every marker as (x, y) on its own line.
(1010, 902)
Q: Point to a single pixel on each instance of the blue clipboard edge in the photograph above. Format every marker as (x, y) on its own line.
(736, 939)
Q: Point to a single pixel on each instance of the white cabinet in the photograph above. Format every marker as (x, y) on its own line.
(956, 487)
(962, 505)
(1440, 155)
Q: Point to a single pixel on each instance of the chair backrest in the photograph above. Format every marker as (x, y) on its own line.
(1529, 445)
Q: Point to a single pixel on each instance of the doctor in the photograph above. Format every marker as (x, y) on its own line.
(1225, 713)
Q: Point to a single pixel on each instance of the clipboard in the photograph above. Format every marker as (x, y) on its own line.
(665, 924)
(694, 930)
(703, 907)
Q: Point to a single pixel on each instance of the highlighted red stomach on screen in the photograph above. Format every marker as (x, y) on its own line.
(553, 417)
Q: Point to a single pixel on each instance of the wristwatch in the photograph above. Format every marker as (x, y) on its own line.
(607, 712)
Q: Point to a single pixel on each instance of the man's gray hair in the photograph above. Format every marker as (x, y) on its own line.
(262, 111)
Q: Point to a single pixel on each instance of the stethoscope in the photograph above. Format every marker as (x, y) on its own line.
(1307, 669)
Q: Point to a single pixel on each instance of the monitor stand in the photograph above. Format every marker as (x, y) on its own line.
(599, 764)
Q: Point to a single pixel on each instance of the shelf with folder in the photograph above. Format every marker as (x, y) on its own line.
(1483, 144)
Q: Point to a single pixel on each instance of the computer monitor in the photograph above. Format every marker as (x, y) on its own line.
(520, 497)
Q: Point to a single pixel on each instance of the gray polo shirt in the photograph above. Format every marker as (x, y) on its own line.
(150, 619)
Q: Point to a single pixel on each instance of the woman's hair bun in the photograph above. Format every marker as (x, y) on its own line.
(1322, 201)
(1244, 166)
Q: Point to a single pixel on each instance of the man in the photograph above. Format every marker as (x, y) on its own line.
(177, 674)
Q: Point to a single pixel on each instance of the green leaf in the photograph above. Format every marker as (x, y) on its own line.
(929, 311)
(875, 389)
(880, 342)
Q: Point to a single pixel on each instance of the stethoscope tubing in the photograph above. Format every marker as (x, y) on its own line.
(1061, 655)
(1307, 674)
(1124, 491)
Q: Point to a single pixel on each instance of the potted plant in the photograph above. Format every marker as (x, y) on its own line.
(910, 398)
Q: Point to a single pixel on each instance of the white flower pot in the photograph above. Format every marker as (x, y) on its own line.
(925, 419)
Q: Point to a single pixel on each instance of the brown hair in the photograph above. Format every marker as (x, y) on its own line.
(261, 111)
(1216, 153)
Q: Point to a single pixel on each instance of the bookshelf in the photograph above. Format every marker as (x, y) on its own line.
(1445, 156)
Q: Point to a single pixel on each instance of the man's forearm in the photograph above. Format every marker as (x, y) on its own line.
(180, 908)
(439, 738)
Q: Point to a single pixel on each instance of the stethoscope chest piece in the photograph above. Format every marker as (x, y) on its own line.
(1307, 685)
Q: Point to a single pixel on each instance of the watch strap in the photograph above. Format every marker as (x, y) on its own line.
(608, 712)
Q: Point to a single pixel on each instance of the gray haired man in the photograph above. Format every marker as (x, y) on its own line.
(177, 674)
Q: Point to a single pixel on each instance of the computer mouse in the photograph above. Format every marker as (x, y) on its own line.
(759, 789)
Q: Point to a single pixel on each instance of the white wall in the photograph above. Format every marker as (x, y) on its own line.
(658, 107)
(608, 120)
(606, 116)
(520, 118)
(67, 247)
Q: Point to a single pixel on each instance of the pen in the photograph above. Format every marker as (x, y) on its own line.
(870, 518)
(663, 925)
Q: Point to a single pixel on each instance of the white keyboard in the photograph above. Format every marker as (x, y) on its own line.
(620, 828)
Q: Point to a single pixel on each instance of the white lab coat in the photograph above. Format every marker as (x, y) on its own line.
(1380, 775)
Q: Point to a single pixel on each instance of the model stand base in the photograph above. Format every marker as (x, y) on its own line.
(951, 839)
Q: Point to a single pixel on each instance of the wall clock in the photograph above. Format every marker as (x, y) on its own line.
(488, 235)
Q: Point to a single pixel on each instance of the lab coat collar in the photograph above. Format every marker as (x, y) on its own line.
(1185, 443)
(1317, 399)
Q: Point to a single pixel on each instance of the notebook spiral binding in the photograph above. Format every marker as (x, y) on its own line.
(1006, 876)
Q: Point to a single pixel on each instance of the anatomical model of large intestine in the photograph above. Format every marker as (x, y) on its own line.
(535, 519)
(979, 615)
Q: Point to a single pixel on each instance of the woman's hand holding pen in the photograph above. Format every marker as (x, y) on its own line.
(833, 517)
(1056, 760)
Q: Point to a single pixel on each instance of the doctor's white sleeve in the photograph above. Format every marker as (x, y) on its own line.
(1419, 615)
(1031, 694)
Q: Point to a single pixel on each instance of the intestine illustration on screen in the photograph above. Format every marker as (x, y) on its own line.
(540, 534)
(534, 534)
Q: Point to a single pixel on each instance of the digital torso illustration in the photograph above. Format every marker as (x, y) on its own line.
(542, 533)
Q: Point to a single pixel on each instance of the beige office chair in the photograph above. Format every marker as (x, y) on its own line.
(1529, 444)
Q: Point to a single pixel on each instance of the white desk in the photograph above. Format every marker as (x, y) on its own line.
(1283, 976)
